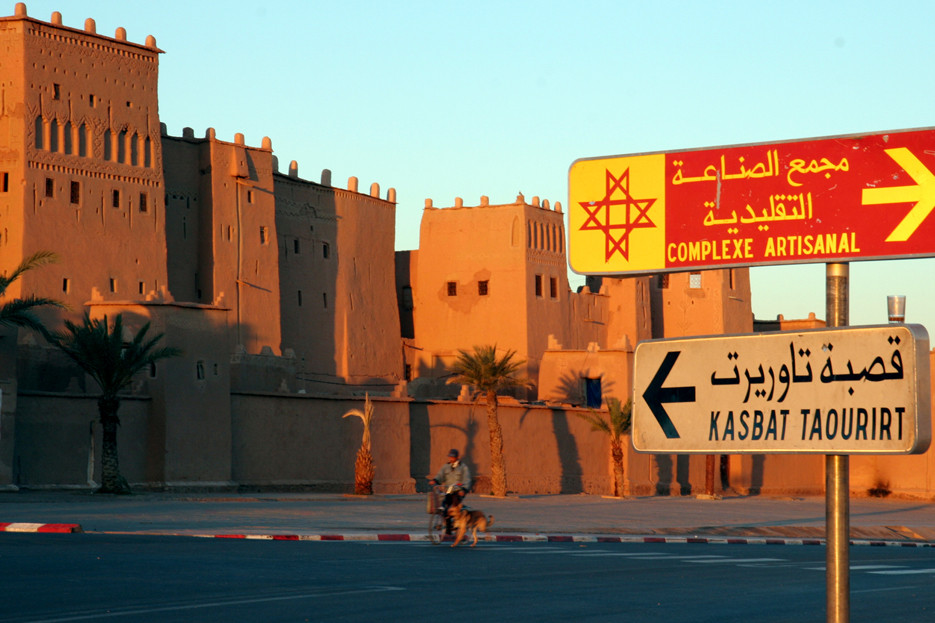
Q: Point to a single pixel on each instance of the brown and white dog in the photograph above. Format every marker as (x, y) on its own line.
(464, 520)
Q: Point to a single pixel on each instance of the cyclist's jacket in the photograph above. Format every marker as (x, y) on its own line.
(453, 474)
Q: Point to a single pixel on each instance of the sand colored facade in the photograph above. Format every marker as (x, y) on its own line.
(289, 302)
(80, 160)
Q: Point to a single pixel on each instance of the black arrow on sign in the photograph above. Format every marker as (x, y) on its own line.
(656, 395)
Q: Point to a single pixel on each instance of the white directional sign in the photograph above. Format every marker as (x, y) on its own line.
(850, 390)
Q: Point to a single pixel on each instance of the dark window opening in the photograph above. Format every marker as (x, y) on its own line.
(113, 284)
(295, 246)
(299, 297)
(482, 288)
(264, 235)
(115, 199)
(452, 288)
(200, 370)
(325, 250)
(143, 202)
(538, 285)
(5, 182)
(56, 92)
(592, 391)
(66, 285)
(553, 287)
(76, 192)
(49, 187)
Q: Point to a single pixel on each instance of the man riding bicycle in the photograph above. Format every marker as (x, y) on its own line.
(455, 477)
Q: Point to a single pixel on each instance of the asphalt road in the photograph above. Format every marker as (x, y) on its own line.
(75, 577)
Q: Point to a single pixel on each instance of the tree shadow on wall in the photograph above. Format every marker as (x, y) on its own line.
(568, 457)
(571, 389)
(664, 470)
(420, 444)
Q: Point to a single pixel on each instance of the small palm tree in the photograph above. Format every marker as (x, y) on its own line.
(99, 349)
(617, 425)
(489, 374)
(21, 312)
(363, 466)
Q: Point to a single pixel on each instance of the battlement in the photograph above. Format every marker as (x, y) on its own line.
(90, 27)
(188, 134)
(485, 203)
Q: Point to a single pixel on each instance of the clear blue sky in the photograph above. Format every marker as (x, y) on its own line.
(444, 99)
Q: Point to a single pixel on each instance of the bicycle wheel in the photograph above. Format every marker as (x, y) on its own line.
(436, 528)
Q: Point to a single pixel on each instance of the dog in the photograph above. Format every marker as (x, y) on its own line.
(464, 520)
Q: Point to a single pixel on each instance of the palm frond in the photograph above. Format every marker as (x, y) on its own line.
(483, 369)
(97, 346)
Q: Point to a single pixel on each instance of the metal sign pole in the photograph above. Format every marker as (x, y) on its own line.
(837, 474)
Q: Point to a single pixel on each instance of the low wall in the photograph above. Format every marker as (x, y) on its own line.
(303, 442)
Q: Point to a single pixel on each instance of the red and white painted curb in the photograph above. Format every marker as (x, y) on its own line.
(543, 538)
(40, 527)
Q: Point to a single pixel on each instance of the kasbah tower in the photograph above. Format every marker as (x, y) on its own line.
(271, 282)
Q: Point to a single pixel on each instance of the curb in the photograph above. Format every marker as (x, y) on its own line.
(41, 527)
(543, 538)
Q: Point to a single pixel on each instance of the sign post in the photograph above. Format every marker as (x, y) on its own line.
(837, 474)
(830, 200)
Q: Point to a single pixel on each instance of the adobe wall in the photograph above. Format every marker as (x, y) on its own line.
(297, 441)
(58, 440)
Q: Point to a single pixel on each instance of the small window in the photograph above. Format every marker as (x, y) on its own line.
(152, 369)
(76, 192)
(66, 285)
(324, 299)
(200, 370)
(115, 199)
(92, 101)
(553, 287)
(144, 207)
(49, 187)
(264, 235)
(4, 182)
(482, 288)
(452, 288)
(694, 280)
(592, 392)
(113, 285)
(56, 92)
(249, 196)
(325, 250)
(295, 246)
(730, 276)
(142, 287)
(299, 297)
(538, 285)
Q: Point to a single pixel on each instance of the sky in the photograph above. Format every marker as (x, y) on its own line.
(443, 99)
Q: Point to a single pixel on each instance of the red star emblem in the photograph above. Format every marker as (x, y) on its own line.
(617, 195)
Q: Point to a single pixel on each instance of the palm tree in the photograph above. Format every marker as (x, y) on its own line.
(21, 312)
(617, 425)
(489, 374)
(99, 349)
(363, 466)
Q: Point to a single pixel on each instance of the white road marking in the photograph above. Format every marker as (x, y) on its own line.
(110, 613)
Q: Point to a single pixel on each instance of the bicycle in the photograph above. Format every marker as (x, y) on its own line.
(437, 512)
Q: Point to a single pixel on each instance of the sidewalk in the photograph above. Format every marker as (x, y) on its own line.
(310, 516)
